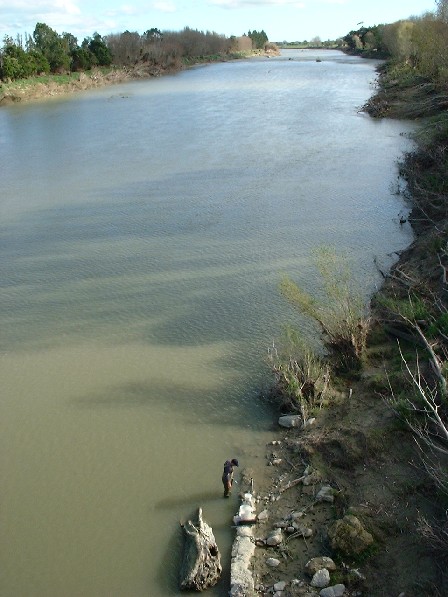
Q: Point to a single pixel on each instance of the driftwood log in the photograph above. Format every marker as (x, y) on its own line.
(201, 566)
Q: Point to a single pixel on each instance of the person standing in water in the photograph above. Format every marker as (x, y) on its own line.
(227, 476)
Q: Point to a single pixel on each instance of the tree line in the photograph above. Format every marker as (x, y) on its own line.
(419, 42)
(46, 51)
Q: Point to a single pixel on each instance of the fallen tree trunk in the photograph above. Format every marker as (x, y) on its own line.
(201, 566)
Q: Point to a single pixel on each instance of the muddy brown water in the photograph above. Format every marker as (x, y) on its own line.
(144, 231)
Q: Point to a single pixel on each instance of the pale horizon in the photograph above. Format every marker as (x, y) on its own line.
(282, 20)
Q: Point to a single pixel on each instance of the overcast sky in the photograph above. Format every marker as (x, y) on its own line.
(289, 20)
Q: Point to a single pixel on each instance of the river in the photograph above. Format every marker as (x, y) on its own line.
(144, 231)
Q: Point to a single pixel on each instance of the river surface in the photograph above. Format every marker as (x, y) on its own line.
(144, 231)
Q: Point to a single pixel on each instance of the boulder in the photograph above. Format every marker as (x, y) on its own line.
(349, 536)
(290, 421)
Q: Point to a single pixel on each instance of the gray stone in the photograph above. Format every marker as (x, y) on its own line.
(274, 538)
(312, 478)
(334, 591)
(296, 515)
(309, 422)
(272, 562)
(280, 586)
(303, 530)
(290, 421)
(321, 579)
(325, 494)
(263, 515)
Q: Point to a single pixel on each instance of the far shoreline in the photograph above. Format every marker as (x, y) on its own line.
(47, 87)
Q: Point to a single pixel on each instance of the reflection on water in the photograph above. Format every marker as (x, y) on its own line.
(142, 247)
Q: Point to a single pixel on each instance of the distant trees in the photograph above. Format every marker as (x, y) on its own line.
(365, 39)
(259, 38)
(47, 51)
(15, 63)
(418, 42)
(398, 40)
(52, 46)
(430, 57)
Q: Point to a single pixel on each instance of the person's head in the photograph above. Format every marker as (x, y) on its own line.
(234, 461)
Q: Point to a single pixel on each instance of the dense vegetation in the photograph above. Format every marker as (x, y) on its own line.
(46, 51)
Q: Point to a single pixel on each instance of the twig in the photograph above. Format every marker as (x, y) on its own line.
(292, 484)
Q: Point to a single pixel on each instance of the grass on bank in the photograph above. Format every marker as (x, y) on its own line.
(61, 79)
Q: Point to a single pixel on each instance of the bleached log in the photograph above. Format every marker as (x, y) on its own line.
(201, 566)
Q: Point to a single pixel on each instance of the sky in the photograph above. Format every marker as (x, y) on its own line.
(290, 20)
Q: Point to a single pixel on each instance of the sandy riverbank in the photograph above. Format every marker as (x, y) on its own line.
(25, 91)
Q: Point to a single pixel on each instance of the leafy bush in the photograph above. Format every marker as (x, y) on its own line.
(343, 317)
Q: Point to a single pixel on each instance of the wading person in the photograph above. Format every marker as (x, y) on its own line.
(227, 476)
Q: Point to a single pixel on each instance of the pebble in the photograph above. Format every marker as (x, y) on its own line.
(273, 562)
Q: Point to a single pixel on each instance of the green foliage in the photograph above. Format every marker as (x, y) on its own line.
(259, 38)
(302, 376)
(366, 41)
(52, 46)
(101, 54)
(16, 63)
(342, 316)
(82, 59)
(440, 326)
(413, 308)
(47, 51)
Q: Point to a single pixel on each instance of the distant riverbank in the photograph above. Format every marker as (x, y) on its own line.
(48, 86)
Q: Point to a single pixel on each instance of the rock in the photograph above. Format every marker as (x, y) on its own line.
(309, 422)
(303, 530)
(246, 513)
(312, 478)
(272, 562)
(316, 564)
(263, 515)
(334, 591)
(296, 515)
(276, 462)
(280, 586)
(349, 536)
(274, 538)
(290, 421)
(325, 494)
(321, 579)
(244, 531)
